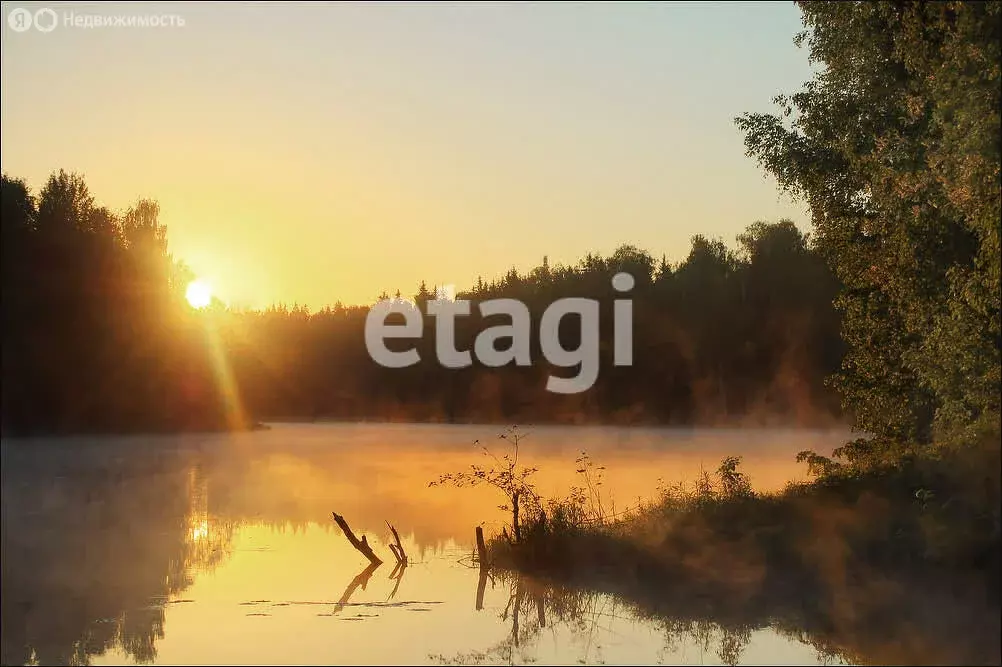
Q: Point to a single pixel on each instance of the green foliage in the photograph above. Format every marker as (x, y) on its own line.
(895, 146)
(819, 466)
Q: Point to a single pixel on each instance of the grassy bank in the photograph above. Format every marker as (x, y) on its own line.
(887, 563)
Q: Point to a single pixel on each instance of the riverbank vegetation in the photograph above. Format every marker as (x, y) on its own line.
(874, 563)
(915, 517)
(895, 146)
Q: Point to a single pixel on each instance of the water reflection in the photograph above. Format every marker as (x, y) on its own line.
(220, 549)
(593, 627)
(360, 580)
(589, 625)
(95, 545)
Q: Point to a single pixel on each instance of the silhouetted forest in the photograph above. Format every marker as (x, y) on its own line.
(98, 336)
(96, 333)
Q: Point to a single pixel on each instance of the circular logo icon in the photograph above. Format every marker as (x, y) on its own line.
(19, 20)
(46, 20)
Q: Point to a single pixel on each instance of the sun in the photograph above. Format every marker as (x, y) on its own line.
(199, 294)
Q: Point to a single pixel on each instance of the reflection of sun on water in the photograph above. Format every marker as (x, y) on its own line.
(207, 538)
(200, 531)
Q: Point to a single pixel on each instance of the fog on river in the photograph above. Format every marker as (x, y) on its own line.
(220, 548)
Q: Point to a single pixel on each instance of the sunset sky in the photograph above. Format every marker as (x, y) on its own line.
(309, 153)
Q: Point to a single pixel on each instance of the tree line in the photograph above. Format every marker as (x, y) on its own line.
(96, 334)
(723, 335)
(98, 337)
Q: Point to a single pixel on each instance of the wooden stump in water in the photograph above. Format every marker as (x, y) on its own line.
(398, 548)
(362, 545)
(481, 547)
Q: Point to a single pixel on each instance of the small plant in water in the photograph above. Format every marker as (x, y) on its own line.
(504, 475)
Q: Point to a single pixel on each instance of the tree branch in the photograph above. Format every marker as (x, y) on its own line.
(362, 545)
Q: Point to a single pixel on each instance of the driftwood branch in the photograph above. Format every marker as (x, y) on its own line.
(362, 545)
(398, 548)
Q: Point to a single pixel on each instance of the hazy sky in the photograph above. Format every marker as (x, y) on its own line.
(310, 152)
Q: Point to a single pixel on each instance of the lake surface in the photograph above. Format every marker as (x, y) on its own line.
(220, 549)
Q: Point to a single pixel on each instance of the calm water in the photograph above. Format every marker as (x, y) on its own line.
(220, 549)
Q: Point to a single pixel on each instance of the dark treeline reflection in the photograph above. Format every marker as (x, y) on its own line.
(895, 621)
(101, 534)
(96, 538)
(98, 337)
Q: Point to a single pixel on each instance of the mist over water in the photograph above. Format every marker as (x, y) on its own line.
(220, 548)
